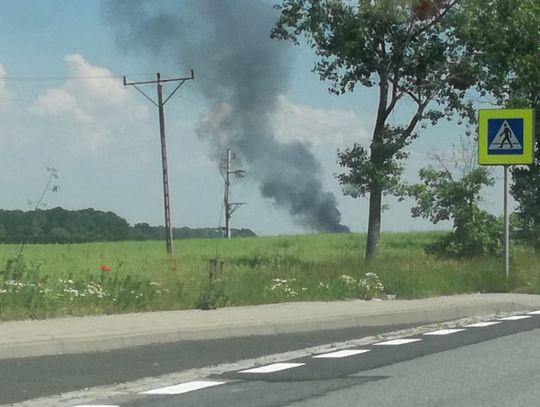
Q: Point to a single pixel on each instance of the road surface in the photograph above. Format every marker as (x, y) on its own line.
(492, 363)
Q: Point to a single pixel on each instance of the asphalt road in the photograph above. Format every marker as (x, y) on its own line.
(491, 364)
(500, 372)
(28, 378)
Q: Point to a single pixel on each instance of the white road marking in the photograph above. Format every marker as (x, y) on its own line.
(514, 318)
(397, 342)
(482, 324)
(183, 387)
(444, 332)
(97, 405)
(275, 367)
(342, 353)
(534, 313)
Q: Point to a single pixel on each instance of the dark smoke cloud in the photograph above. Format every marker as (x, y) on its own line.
(242, 72)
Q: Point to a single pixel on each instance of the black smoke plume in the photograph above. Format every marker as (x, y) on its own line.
(242, 72)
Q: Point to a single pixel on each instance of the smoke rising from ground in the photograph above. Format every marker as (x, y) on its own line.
(242, 72)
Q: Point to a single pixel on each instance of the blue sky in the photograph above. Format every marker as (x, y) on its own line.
(103, 138)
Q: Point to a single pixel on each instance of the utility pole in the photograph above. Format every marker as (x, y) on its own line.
(229, 206)
(160, 103)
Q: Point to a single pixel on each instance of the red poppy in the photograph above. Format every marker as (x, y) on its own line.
(105, 268)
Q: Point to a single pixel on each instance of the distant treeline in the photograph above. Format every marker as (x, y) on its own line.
(88, 225)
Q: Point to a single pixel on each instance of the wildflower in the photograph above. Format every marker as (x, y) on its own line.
(348, 280)
(290, 292)
(104, 267)
(370, 285)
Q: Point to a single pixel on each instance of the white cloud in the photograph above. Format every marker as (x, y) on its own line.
(57, 102)
(101, 136)
(91, 110)
(340, 128)
(5, 95)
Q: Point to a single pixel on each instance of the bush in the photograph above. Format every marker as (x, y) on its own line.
(440, 197)
(477, 234)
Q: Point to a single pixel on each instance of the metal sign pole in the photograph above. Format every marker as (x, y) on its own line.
(506, 226)
(506, 137)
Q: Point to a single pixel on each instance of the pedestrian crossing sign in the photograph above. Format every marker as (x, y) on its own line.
(505, 136)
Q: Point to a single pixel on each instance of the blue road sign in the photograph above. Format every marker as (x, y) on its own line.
(505, 136)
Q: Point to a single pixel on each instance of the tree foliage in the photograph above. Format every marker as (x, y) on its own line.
(502, 38)
(409, 51)
(502, 41)
(59, 225)
(440, 197)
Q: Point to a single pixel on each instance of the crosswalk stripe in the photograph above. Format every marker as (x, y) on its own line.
(482, 324)
(514, 318)
(444, 332)
(398, 342)
(276, 367)
(342, 353)
(183, 387)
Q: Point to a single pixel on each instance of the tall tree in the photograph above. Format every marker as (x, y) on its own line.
(406, 48)
(502, 38)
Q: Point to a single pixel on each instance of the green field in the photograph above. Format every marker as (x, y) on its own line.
(98, 278)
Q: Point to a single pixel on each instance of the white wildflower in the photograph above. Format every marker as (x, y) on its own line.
(348, 280)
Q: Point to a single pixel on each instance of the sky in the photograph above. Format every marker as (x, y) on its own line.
(63, 105)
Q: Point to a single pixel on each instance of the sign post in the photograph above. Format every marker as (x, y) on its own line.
(506, 137)
(506, 236)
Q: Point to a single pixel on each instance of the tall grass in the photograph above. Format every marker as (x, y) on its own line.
(97, 278)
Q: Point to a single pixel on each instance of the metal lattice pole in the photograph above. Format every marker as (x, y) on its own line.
(229, 207)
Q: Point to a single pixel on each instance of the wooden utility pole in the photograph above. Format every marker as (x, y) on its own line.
(160, 103)
(229, 206)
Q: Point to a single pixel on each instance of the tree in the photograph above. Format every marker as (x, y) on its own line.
(406, 48)
(502, 38)
(59, 235)
(441, 197)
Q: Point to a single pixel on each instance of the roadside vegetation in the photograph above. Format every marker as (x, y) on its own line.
(437, 58)
(117, 277)
(403, 48)
(58, 225)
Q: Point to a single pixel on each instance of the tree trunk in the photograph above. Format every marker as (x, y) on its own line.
(374, 222)
(375, 190)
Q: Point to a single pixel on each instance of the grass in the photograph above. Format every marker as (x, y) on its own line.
(101, 278)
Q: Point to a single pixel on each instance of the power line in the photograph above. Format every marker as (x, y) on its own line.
(320, 134)
(63, 78)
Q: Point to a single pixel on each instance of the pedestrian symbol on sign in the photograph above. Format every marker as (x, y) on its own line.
(505, 136)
